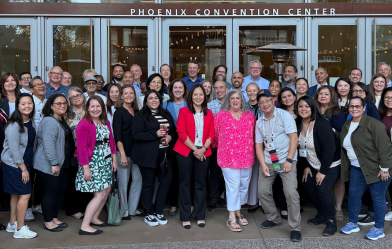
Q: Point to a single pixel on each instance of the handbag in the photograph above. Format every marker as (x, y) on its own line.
(114, 206)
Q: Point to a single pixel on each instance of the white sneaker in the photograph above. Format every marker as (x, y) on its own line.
(388, 216)
(151, 220)
(24, 233)
(12, 228)
(37, 209)
(29, 215)
(161, 219)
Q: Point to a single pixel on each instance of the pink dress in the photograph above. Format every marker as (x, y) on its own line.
(234, 139)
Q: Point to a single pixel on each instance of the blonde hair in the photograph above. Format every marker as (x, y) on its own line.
(211, 96)
(252, 84)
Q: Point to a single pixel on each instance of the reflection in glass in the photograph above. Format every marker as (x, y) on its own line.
(72, 50)
(128, 46)
(15, 49)
(383, 40)
(204, 44)
(337, 50)
(253, 37)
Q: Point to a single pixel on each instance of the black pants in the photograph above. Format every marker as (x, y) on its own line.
(164, 178)
(214, 177)
(37, 187)
(322, 195)
(186, 165)
(75, 201)
(173, 191)
(54, 193)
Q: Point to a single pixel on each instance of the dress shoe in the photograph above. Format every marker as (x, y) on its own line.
(63, 225)
(295, 236)
(81, 232)
(99, 225)
(55, 229)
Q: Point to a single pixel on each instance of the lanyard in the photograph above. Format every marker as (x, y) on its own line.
(307, 134)
(272, 129)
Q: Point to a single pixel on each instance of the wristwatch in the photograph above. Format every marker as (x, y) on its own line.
(289, 160)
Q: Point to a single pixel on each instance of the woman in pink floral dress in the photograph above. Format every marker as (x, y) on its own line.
(234, 131)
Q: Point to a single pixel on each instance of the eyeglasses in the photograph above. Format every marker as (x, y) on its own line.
(358, 91)
(255, 68)
(388, 98)
(76, 96)
(90, 83)
(39, 85)
(265, 102)
(57, 74)
(100, 81)
(355, 107)
(59, 104)
(25, 78)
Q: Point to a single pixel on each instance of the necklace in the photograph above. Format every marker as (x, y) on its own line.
(237, 114)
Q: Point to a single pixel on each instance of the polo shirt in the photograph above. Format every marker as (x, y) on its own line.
(283, 124)
(191, 83)
(50, 90)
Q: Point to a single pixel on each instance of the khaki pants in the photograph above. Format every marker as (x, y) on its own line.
(290, 191)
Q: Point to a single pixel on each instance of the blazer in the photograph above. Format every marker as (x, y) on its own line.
(15, 144)
(372, 146)
(4, 105)
(146, 141)
(85, 140)
(50, 145)
(186, 127)
(326, 144)
(312, 91)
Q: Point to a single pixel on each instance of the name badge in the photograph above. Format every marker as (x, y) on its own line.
(107, 153)
(270, 146)
(302, 152)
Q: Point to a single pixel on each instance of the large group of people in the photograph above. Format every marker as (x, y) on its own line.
(246, 140)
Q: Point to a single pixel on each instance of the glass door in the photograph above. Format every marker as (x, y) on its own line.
(339, 47)
(251, 33)
(207, 41)
(128, 42)
(73, 44)
(19, 45)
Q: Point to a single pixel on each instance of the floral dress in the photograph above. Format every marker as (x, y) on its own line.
(101, 168)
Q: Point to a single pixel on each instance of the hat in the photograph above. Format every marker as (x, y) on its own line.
(90, 78)
(262, 93)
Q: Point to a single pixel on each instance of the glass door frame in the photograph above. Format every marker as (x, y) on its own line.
(152, 43)
(260, 22)
(227, 22)
(361, 43)
(69, 21)
(35, 59)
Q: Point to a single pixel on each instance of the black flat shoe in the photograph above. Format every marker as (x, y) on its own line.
(2, 227)
(63, 225)
(127, 218)
(252, 210)
(173, 213)
(81, 232)
(295, 236)
(56, 229)
(99, 225)
(284, 216)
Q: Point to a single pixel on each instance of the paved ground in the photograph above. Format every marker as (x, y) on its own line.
(137, 234)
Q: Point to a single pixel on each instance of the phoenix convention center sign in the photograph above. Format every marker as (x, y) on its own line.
(233, 12)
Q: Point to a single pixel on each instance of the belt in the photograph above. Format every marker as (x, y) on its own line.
(101, 142)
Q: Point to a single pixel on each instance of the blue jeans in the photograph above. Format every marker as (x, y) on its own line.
(358, 186)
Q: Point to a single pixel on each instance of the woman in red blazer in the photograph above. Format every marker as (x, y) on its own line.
(195, 127)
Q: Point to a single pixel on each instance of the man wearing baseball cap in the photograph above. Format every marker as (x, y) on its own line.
(276, 129)
(90, 84)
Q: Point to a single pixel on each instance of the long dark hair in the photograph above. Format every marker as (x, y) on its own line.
(312, 104)
(147, 111)
(17, 116)
(363, 86)
(47, 110)
(150, 78)
(189, 101)
(109, 102)
(345, 79)
(280, 102)
(333, 105)
(4, 79)
(103, 117)
(382, 108)
(371, 85)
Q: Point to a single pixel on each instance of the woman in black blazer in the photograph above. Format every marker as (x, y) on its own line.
(319, 156)
(152, 131)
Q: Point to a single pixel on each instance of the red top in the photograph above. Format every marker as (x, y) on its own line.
(85, 140)
(186, 127)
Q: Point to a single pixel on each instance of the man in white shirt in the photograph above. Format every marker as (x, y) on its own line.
(90, 84)
(385, 69)
(255, 70)
(25, 79)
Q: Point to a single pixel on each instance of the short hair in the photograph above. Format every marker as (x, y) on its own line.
(383, 63)
(313, 107)
(256, 61)
(226, 103)
(117, 65)
(356, 69)
(4, 79)
(363, 86)
(134, 103)
(92, 71)
(136, 65)
(47, 109)
(189, 101)
(103, 117)
(371, 85)
(31, 84)
(68, 73)
(360, 99)
(72, 114)
(194, 62)
(22, 73)
(171, 69)
(333, 105)
(171, 95)
(325, 69)
(345, 79)
(295, 68)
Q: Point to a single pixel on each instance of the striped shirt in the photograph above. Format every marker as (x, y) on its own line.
(162, 121)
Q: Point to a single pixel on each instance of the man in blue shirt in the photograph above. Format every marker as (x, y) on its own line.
(137, 74)
(192, 78)
(55, 76)
(255, 70)
(385, 69)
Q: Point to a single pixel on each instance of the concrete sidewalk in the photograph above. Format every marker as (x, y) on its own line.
(136, 234)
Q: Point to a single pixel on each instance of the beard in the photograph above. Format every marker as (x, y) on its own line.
(289, 80)
(220, 78)
(119, 77)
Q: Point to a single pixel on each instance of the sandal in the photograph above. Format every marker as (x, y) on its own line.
(339, 215)
(201, 223)
(186, 224)
(233, 226)
(242, 221)
(78, 215)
